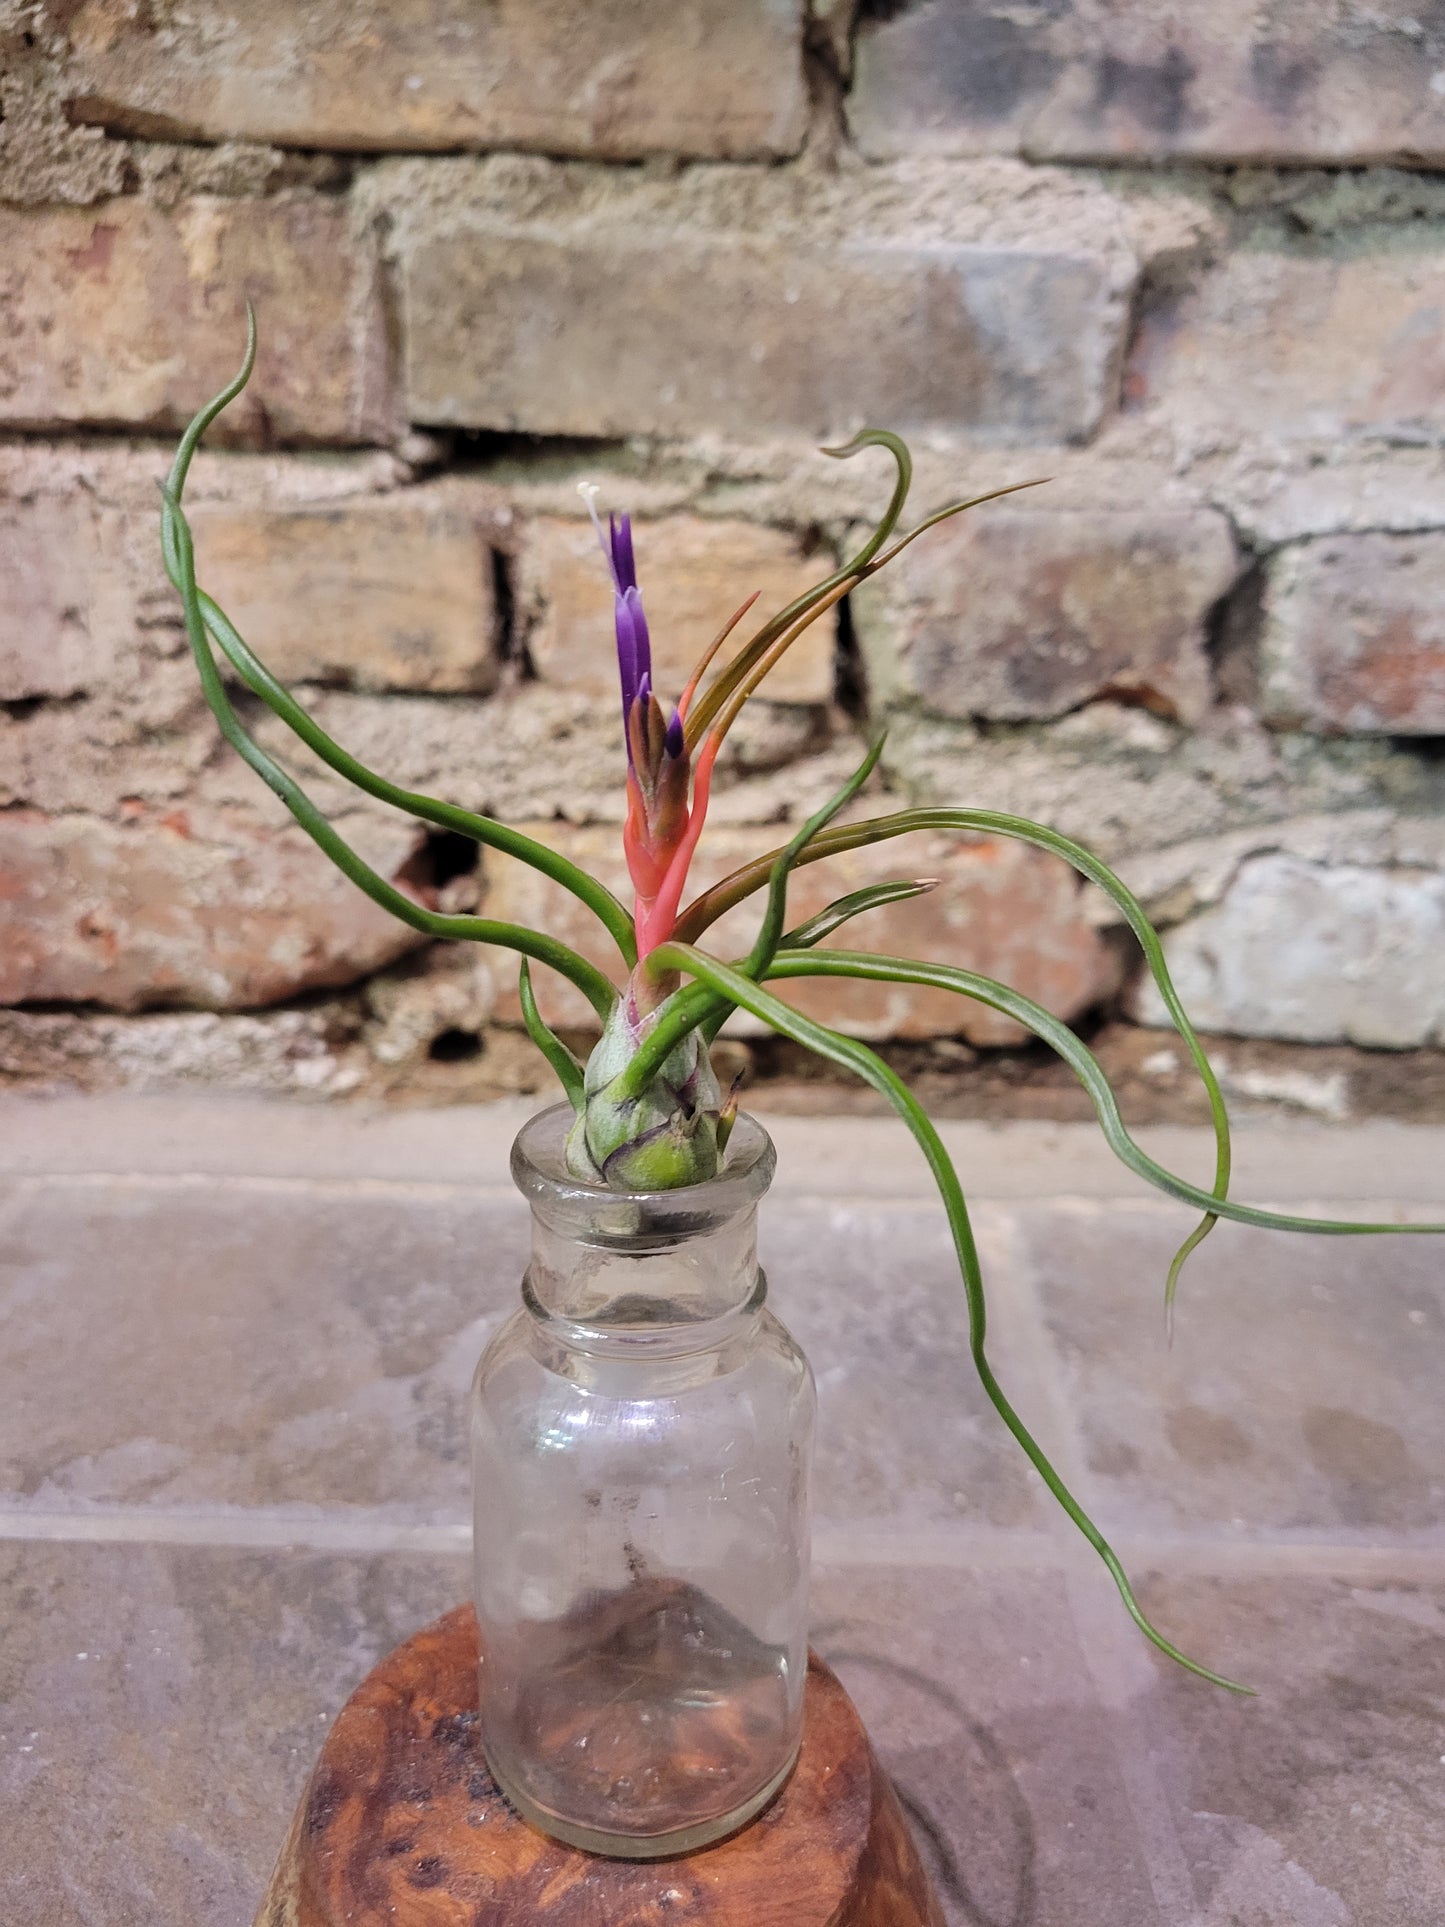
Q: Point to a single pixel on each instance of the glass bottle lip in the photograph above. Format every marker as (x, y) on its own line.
(636, 1221)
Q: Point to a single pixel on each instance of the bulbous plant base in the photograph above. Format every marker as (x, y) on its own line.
(402, 1822)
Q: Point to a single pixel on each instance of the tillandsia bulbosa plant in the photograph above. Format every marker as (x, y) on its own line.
(650, 1114)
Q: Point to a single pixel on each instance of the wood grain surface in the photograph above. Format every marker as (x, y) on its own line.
(402, 1825)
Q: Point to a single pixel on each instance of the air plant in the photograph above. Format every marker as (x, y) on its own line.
(650, 1114)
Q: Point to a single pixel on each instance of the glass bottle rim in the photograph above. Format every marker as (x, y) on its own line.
(636, 1221)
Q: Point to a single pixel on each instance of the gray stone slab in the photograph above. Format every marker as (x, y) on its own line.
(160, 1708)
(260, 1344)
(1301, 1393)
(852, 1157)
(209, 1361)
(981, 1704)
(1322, 1802)
(905, 1433)
(246, 1346)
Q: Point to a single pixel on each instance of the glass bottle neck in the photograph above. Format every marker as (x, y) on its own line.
(647, 1271)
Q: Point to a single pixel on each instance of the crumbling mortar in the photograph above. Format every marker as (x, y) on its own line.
(512, 637)
(1234, 629)
(827, 64)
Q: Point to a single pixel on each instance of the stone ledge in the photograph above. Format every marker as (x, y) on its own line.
(873, 1157)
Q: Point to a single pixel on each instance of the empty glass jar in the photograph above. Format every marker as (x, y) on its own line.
(641, 1438)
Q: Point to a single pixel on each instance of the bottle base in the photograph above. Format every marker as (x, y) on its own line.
(645, 1846)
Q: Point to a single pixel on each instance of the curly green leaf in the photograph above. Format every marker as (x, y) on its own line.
(175, 482)
(776, 909)
(733, 987)
(752, 876)
(274, 693)
(725, 695)
(481, 829)
(829, 919)
(903, 481)
(709, 705)
(598, 991)
(947, 514)
(857, 964)
(843, 909)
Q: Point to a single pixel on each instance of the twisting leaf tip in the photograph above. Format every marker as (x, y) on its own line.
(875, 897)
(736, 681)
(898, 449)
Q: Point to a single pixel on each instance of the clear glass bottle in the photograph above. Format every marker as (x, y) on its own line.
(641, 1442)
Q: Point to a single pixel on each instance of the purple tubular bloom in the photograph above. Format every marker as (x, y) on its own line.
(624, 569)
(673, 741)
(631, 601)
(634, 645)
(629, 665)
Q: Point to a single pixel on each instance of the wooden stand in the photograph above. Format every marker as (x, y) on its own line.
(403, 1826)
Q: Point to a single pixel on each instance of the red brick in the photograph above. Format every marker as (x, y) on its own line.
(391, 594)
(634, 318)
(1354, 635)
(1001, 908)
(148, 916)
(1300, 344)
(614, 78)
(51, 639)
(1147, 79)
(131, 314)
(1019, 613)
(693, 574)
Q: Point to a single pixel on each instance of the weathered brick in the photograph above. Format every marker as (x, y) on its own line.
(373, 595)
(1301, 344)
(147, 915)
(1018, 613)
(693, 573)
(615, 78)
(648, 323)
(1000, 908)
(1321, 953)
(1146, 79)
(131, 314)
(1354, 635)
(298, 1053)
(51, 643)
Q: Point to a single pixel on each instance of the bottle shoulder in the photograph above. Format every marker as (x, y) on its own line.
(756, 1355)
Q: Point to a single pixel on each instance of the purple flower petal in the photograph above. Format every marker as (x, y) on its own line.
(634, 644)
(628, 666)
(642, 641)
(624, 568)
(673, 742)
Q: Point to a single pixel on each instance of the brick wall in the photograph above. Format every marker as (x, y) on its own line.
(1185, 263)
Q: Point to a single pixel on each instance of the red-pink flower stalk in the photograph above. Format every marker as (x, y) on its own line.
(667, 796)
